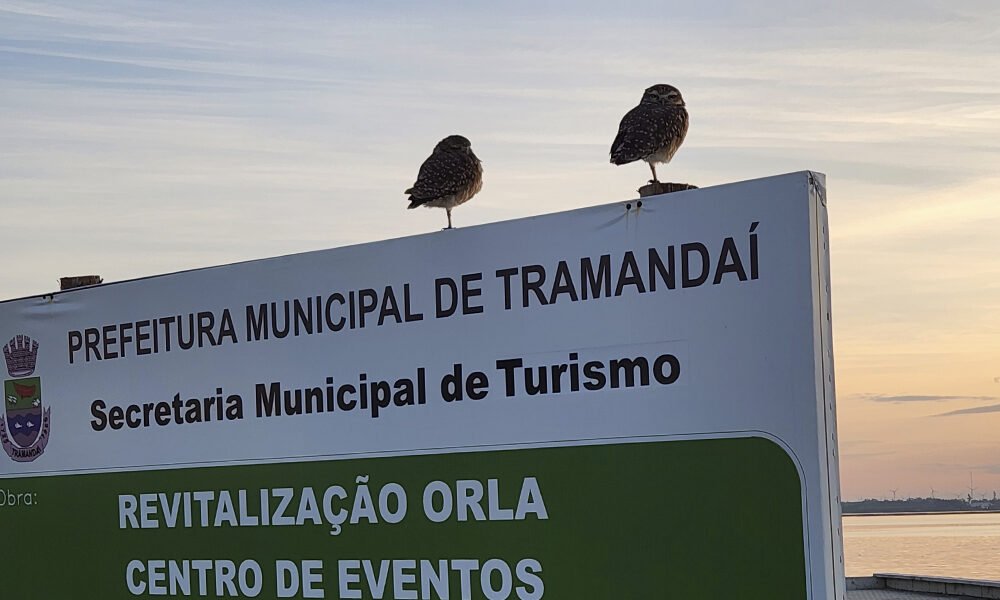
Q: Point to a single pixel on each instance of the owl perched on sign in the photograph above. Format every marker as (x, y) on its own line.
(451, 175)
(653, 130)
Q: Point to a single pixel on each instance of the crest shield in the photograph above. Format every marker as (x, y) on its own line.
(24, 426)
(23, 406)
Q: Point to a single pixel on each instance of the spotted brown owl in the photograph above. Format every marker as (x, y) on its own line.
(653, 130)
(451, 175)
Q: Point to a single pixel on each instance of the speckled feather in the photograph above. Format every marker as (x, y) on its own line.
(450, 176)
(649, 129)
(653, 130)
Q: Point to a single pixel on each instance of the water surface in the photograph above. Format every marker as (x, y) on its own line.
(951, 545)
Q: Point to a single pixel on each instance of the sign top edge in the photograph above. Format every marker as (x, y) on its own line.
(810, 177)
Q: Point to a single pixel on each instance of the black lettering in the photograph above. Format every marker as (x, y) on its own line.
(162, 413)
(140, 337)
(508, 366)
(166, 321)
(729, 262)
(342, 393)
(93, 336)
(381, 395)
(284, 329)
(116, 417)
(675, 369)
(367, 303)
(108, 333)
(656, 267)
(451, 384)
(557, 373)
(506, 274)
(595, 377)
(314, 400)
(389, 307)
(75, 343)
(206, 321)
(686, 279)
(404, 393)
(226, 329)
(629, 366)
(527, 285)
(476, 384)
(334, 325)
(533, 388)
(100, 421)
(629, 275)
(177, 404)
(410, 316)
(180, 332)
(440, 310)
(257, 323)
(293, 402)
(303, 316)
(562, 284)
(268, 399)
(234, 407)
(123, 337)
(469, 292)
(591, 281)
(130, 416)
(193, 414)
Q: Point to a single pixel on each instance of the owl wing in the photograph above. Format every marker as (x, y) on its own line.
(442, 174)
(645, 130)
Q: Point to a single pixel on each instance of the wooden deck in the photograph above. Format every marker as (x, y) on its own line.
(898, 595)
(892, 586)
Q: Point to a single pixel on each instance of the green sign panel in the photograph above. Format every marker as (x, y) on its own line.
(672, 518)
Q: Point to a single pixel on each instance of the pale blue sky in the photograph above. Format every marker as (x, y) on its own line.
(145, 137)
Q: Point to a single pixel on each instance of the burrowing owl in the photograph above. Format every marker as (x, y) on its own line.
(450, 176)
(652, 131)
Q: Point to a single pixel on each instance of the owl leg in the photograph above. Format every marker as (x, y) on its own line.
(448, 210)
(652, 167)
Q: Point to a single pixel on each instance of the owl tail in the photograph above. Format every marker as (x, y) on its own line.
(620, 157)
(413, 201)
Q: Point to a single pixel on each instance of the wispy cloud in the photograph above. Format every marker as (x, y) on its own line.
(854, 444)
(862, 455)
(971, 411)
(925, 398)
(859, 449)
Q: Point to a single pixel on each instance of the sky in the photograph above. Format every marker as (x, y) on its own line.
(139, 138)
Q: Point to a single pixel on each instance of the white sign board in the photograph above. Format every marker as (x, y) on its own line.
(614, 401)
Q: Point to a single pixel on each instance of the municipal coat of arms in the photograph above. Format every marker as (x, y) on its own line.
(24, 428)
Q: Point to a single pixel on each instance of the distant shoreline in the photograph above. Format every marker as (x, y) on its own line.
(920, 506)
